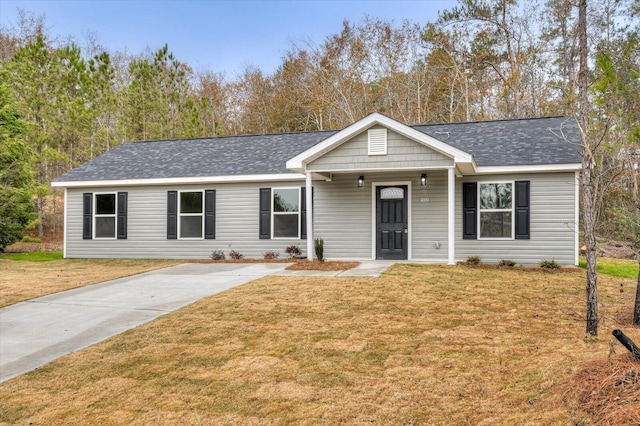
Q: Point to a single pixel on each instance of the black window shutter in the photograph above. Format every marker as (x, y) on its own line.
(210, 214)
(87, 210)
(523, 231)
(265, 213)
(303, 213)
(172, 215)
(470, 210)
(121, 221)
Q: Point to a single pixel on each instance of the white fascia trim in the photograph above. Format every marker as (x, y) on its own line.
(298, 162)
(541, 168)
(381, 169)
(286, 177)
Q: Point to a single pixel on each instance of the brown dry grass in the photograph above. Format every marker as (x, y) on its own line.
(23, 280)
(420, 345)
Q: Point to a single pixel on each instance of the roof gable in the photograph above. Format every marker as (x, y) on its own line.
(400, 152)
(298, 162)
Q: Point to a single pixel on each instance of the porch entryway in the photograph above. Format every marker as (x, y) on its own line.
(392, 222)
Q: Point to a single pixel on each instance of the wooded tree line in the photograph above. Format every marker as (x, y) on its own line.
(480, 60)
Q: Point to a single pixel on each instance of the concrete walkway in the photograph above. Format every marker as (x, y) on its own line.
(367, 268)
(40, 330)
(37, 331)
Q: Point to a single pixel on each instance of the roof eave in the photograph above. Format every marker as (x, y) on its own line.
(282, 177)
(528, 168)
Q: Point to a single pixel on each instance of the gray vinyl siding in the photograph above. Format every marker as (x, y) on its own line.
(553, 227)
(343, 215)
(237, 222)
(401, 153)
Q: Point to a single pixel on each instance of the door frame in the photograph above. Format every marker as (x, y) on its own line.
(374, 211)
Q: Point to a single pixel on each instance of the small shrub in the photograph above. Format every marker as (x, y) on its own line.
(319, 249)
(507, 262)
(293, 251)
(235, 255)
(474, 260)
(28, 239)
(549, 264)
(218, 255)
(271, 255)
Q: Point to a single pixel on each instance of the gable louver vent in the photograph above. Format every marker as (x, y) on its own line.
(377, 141)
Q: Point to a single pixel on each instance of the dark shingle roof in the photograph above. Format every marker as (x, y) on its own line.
(492, 143)
(226, 156)
(527, 141)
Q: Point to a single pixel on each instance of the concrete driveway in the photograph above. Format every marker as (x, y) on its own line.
(40, 330)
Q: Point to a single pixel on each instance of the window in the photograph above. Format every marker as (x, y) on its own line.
(191, 214)
(496, 210)
(105, 216)
(286, 212)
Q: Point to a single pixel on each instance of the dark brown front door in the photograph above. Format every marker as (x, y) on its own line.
(392, 222)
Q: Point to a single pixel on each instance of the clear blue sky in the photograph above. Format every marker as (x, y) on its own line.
(220, 35)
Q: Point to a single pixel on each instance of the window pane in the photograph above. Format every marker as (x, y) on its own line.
(191, 227)
(106, 204)
(191, 202)
(495, 225)
(285, 200)
(495, 196)
(285, 226)
(105, 227)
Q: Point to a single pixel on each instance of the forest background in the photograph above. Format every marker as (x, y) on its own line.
(63, 102)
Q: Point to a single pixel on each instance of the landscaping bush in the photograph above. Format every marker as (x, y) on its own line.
(507, 262)
(293, 251)
(549, 264)
(474, 260)
(270, 255)
(218, 255)
(28, 239)
(235, 255)
(319, 249)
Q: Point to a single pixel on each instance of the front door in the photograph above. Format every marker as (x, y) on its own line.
(392, 222)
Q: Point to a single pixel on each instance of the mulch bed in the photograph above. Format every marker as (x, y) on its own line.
(298, 264)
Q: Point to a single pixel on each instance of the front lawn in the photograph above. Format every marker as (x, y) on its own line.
(37, 276)
(34, 256)
(423, 344)
(615, 267)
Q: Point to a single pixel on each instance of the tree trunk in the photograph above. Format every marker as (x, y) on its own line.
(636, 309)
(586, 181)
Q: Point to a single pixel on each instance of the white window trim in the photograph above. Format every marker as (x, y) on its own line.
(512, 210)
(96, 215)
(180, 237)
(274, 213)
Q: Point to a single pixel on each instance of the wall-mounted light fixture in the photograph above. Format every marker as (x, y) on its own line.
(423, 179)
(360, 181)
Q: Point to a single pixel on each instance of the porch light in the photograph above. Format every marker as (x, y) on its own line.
(423, 179)
(360, 181)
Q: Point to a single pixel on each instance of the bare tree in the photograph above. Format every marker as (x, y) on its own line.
(586, 180)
